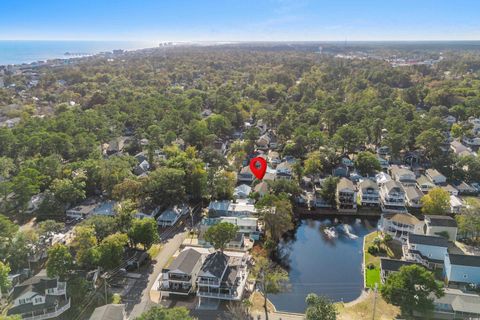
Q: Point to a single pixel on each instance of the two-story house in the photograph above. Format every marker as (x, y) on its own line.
(369, 193)
(389, 266)
(440, 225)
(39, 298)
(404, 176)
(284, 170)
(461, 269)
(222, 277)
(346, 195)
(424, 184)
(245, 175)
(400, 225)
(413, 195)
(392, 197)
(429, 251)
(436, 177)
(170, 216)
(181, 276)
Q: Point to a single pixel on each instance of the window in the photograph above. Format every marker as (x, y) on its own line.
(22, 301)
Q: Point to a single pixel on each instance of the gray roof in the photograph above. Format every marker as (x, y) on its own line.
(460, 301)
(422, 180)
(109, 312)
(345, 183)
(215, 264)
(464, 260)
(441, 221)
(392, 184)
(428, 240)
(368, 183)
(413, 193)
(186, 261)
(434, 173)
(393, 265)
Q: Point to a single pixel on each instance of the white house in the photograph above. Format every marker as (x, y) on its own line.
(436, 224)
(242, 191)
(404, 176)
(170, 216)
(392, 197)
(346, 195)
(400, 225)
(425, 184)
(456, 204)
(369, 193)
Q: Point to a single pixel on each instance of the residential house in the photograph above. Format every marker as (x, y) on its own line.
(389, 266)
(456, 204)
(459, 149)
(142, 168)
(413, 197)
(383, 151)
(382, 178)
(222, 277)
(461, 269)
(450, 189)
(241, 207)
(83, 210)
(105, 208)
(405, 176)
(218, 208)
(273, 158)
(261, 188)
(424, 184)
(346, 161)
(440, 225)
(429, 251)
(263, 142)
(116, 145)
(246, 224)
(450, 120)
(464, 188)
(242, 191)
(180, 277)
(399, 225)
(39, 297)
(346, 195)
(109, 312)
(284, 170)
(341, 171)
(475, 123)
(245, 175)
(471, 141)
(220, 146)
(436, 177)
(456, 304)
(369, 193)
(384, 164)
(392, 197)
(170, 216)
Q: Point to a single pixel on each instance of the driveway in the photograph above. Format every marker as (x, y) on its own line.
(138, 299)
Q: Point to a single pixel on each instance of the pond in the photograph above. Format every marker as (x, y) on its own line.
(324, 257)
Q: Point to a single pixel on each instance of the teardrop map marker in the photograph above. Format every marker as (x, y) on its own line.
(258, 166)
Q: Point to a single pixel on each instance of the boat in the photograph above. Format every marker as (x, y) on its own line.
(330, 232)
(346, 229)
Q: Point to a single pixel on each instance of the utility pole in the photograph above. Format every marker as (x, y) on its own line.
(374, 300)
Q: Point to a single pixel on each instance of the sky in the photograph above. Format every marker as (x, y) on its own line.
(240, 20)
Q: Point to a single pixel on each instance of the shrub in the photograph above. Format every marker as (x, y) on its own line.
(373, 250)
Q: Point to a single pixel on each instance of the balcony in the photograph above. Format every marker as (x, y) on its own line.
(208, 282)
(46, 313)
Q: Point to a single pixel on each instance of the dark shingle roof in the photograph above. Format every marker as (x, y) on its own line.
(464, 260)
(393, 265)
(441, 221)
(428, 240)
(186, 261)
(215, 264)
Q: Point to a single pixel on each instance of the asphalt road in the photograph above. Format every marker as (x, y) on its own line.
(138, 299)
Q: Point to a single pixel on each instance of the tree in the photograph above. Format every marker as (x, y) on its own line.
(271, 279)
(166, 186)
(69, 191)
(221, 234)
(127, 189)
(412, 289)
(313, 163)
(367, 163)
(319, 308)
(8, 229)
(348, 137)
(84, 244)
(103, 225)
(144, 232)
(111, 250)
(277, 216)
(436, 201)
(4, 281)
(125, 213)
(329, 189)
(161, 313)
(60, 261)
(431, 141)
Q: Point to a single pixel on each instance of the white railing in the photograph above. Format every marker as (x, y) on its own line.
(56, 313)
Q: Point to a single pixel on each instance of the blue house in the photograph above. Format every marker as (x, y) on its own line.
(462, 269)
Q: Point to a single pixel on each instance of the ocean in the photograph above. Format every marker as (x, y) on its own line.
(17, 52)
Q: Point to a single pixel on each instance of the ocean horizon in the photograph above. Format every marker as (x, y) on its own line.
(28, 51)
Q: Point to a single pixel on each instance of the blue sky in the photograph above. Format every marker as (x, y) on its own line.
(240, 20)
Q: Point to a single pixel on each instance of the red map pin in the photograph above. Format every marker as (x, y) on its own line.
(258, 166)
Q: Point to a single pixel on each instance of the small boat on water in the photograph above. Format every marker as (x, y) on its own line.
(346, 229)
(330, 232)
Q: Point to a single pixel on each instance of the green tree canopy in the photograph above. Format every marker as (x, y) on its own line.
(60, 261)
(221, 234)
(319, 308)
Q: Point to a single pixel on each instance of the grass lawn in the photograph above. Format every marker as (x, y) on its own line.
(472, 201)
(393, 250)
(154, 250)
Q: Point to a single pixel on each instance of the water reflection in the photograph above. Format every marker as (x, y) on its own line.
(325, 257)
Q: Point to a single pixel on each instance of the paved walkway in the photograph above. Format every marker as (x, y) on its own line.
(278, 316)
(162, 258)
